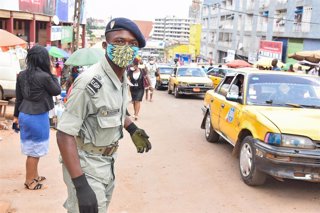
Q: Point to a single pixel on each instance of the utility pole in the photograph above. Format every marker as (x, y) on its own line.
(76, 24)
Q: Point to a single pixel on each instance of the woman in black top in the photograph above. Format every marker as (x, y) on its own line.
(136, 77)
(34, 90)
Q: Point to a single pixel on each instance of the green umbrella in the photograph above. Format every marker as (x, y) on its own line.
(85, 56)
(57, 52)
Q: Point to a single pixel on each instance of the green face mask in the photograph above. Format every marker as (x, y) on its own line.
(122, 56)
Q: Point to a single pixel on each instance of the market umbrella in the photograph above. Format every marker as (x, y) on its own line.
(85, 56)
(57, 52)
(8, 40)
(266, 62)
(312, 56)
(238, 63)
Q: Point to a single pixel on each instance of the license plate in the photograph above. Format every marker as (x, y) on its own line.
(196, 89)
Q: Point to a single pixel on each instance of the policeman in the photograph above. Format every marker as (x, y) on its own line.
(93, 121)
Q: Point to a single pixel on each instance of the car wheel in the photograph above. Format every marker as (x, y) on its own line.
(176, 93)
(211, 135)
(247, 164)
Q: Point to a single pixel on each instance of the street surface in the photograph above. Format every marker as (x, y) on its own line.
(181, 174)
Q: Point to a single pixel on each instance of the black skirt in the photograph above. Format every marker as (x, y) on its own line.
(136, 93)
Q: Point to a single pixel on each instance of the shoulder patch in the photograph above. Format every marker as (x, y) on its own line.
(94, 85)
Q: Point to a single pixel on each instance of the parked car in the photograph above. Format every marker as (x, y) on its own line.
(217, 73)
(10, 66)
(163, 74)
(189, 81)
(272, 119)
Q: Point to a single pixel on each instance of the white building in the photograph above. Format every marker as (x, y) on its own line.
(172, 29)
(239, 26)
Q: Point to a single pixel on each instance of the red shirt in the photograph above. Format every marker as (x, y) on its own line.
(58, 71)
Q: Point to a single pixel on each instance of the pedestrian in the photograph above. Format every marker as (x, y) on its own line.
(274, 64)
(137, 77)
(291, 68)
(58, 72)
(35, 89)
(151, 70)
(92, 124)
(210, 67)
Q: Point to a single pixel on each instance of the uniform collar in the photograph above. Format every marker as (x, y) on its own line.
(112, 75)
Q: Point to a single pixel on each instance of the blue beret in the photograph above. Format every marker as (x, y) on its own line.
(126, 24)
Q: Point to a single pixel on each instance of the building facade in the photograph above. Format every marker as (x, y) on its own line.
(172, 29)
(241, 26)
(43, 22)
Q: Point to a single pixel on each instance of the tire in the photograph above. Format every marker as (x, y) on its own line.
(176, 94)
(211, 135)
(247, 164)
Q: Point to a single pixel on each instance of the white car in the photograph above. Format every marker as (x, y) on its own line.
(10, 66)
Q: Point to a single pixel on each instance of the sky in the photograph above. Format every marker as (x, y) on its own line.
(146, 10)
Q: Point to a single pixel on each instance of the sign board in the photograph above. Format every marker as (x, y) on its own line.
(230, 55)
(56, 33)
(183, 58)
(66, 34)
(252, 57)
(270, 49)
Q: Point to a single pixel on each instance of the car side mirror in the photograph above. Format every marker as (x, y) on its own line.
(233, 97)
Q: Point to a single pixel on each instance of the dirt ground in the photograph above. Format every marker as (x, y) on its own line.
(182, 172)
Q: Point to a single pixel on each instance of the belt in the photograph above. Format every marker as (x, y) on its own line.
(102, 150)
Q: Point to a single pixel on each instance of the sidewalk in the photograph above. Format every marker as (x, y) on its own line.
(13, 196)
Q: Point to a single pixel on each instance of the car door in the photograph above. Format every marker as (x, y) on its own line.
(218, 100)
(231, 110)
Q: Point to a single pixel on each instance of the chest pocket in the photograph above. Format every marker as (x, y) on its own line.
(108, 130)
(109, 122)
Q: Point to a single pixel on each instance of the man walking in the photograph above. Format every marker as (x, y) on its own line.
(93, 122)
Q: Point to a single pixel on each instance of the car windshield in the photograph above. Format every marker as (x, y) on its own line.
(165, 70)
(192, 72)
(283, 90)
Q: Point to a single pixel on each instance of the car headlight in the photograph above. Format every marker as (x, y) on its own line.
(293, 141)
(183, 84)
(209, 84)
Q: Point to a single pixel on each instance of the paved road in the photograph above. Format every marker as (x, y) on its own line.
(182, 173)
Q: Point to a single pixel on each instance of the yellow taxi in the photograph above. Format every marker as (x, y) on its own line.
(272, 119)
(188, 80)
(162, 75)
(216, 74)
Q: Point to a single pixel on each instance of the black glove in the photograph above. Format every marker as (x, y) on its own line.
(86, 197)
(139, 138)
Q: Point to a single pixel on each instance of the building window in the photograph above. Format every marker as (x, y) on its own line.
(42, 25)
(298, 14)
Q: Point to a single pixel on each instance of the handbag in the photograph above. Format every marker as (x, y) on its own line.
(146, 83)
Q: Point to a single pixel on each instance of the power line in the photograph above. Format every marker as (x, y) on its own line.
(246, 13)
